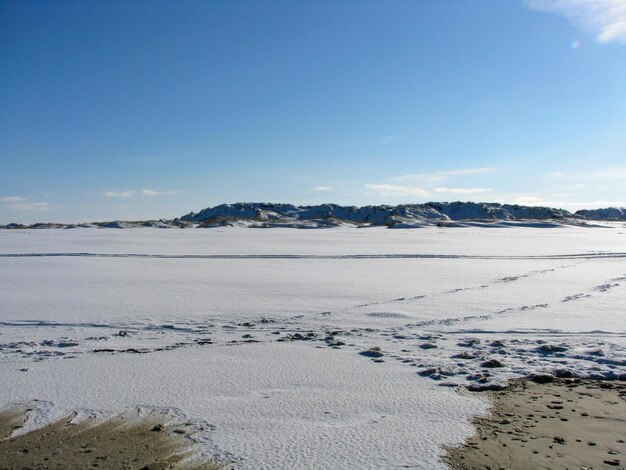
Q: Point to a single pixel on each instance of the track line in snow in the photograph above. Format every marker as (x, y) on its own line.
(416, 297)
(602, 288)
(573, 256)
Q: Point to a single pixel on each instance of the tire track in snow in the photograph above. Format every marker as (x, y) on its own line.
(572, 256)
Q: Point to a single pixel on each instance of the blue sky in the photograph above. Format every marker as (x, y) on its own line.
(149, 109)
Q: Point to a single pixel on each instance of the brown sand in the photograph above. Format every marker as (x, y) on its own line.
(127, 441)
(566, 424)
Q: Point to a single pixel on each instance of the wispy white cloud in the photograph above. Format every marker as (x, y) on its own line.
(439, 176)
(598, 204)
(144, 192)
(18, 203)
(527, 200)
(119, 193)
(323, 188)
(605, 19)
(395, 190)
(607, 174)
(152, 192)
(29, 206)
(12, 199)
(570, 205)
(462, 190)
(423, 183)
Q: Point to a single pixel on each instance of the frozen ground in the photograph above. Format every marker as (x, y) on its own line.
(257, 335)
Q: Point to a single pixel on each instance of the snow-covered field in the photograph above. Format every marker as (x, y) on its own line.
(257, 335)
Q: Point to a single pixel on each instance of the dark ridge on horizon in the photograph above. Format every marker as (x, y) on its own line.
(255, 214)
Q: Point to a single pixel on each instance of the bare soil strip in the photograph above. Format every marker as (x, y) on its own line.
(125, 441)
(564, 424)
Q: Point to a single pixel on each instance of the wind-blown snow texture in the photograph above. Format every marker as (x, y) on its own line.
(263, 337)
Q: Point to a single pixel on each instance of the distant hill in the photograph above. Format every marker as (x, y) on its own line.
(252, 214)
(610, 213)
(391, 216)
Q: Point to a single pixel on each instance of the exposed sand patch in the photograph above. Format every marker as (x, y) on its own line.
(566, 424)
(127, 441)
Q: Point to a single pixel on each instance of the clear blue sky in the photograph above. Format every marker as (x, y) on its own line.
(141, 109)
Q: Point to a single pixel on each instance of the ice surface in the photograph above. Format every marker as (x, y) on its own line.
(265, 351)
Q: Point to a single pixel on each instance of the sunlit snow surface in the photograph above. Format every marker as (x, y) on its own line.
(256, 334)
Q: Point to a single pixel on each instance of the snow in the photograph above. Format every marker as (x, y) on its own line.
(270, 405)
(256, 334)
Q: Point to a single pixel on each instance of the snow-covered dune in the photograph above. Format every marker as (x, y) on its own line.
(609, 213)
(371, 215)
(449, 214)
